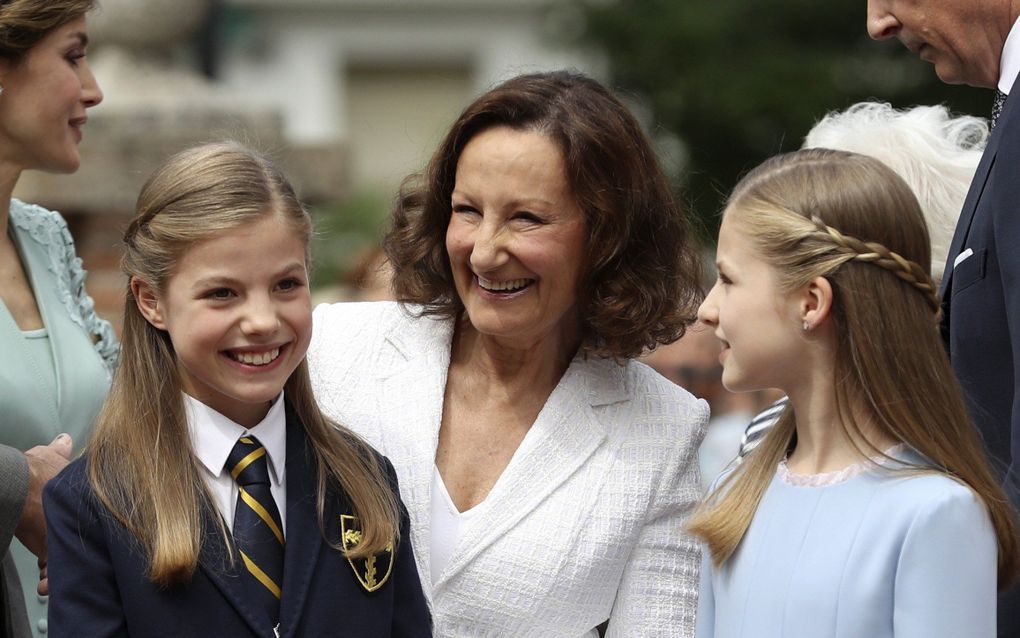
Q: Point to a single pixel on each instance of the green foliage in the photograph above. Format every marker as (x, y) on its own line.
(345, 233)
(741, 80)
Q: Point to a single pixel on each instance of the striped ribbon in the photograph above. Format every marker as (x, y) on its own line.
(760, 425)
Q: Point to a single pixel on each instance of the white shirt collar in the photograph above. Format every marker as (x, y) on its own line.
(1009, 63)
(213, 435)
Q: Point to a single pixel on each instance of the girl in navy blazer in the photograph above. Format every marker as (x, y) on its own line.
(214, 498)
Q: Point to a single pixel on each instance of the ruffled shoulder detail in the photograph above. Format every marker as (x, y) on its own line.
(49, 229)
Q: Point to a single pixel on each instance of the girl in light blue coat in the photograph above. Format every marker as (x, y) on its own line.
(870, 508)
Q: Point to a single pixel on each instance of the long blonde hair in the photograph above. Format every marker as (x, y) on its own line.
(140, 461)
(850, 219)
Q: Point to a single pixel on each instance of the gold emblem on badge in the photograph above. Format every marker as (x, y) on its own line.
(366, 570)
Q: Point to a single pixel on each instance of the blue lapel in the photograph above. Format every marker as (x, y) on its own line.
(977, 187)
(214, 561)
(304, 538)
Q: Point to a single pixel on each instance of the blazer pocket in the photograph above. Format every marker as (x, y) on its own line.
(969, 271)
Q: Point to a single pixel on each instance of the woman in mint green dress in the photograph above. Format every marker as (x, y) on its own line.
(56, 355)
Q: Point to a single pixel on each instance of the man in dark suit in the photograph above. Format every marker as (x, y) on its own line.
(977, 42)
(22, 476)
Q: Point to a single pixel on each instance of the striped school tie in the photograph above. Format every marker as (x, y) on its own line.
(258, 530)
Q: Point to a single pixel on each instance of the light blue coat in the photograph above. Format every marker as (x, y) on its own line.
(879, 555)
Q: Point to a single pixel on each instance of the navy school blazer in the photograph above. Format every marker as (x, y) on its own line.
(98, 586)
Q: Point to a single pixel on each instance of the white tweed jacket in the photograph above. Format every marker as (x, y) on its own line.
(583, 526)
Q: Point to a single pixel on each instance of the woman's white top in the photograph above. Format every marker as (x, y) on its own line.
(448, 524)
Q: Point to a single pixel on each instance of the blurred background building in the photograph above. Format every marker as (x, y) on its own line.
(350, 96)
(375, 84)
(382, 77)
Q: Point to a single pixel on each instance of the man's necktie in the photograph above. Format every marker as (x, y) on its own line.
(1000, 100)
(258, 530)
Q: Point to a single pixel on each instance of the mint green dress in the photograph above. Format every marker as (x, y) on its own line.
(51, 380)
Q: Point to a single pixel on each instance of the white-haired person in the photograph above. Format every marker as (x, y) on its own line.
(935, 152)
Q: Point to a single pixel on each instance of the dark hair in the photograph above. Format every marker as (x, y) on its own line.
(23, 23)
(641, 281)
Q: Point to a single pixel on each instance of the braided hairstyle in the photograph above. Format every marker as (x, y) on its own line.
(852, 220)
(871, 252)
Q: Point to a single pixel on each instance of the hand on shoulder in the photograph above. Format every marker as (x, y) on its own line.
(44, 462)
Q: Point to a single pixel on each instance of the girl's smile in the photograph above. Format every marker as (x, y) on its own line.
(238, 312)
(260, 358)
(725, 350)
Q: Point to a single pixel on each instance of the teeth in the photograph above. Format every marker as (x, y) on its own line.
(257, 358)
(503, 286)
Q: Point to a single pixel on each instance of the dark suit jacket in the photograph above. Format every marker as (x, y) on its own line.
(98, 585)
(981, 298)
(13, 491)
(981, 302)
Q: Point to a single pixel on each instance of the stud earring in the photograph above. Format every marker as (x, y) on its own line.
(807, 326)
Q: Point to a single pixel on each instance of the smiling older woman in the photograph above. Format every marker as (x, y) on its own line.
(547, 475)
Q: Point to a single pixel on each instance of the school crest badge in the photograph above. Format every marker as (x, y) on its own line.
(372, 572)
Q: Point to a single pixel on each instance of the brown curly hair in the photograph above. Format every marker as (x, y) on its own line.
(640, 285)
(23, 23)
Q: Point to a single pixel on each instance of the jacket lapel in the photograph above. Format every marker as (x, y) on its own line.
(977, 187)
(410, 423)
(565, 434)
(214, 562)
(304, 538)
